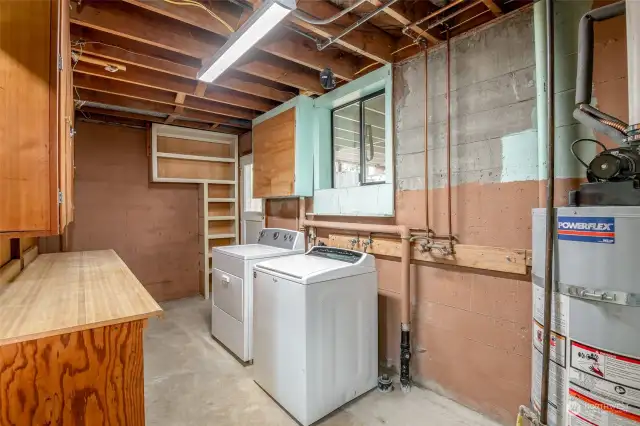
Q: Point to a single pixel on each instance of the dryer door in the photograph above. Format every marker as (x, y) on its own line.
(227, 293)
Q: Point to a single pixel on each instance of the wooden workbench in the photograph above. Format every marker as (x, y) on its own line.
(71, 342)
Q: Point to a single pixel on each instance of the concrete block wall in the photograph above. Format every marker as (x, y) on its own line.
(471, 329)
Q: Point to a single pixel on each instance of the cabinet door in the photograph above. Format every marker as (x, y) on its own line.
(25, 141)
(274, 156)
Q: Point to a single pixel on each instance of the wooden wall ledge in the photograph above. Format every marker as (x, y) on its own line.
(515, 261)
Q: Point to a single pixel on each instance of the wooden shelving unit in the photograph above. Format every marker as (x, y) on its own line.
(210, 159)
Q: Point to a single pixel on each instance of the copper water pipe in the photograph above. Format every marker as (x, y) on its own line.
(426, 142)
(405, 236)
(449, 212)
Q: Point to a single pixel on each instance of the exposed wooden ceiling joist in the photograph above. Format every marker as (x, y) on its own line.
(404, 20)
(281, 42)
(122, 101)
(366, 40)
(137, 24)
(116, 87)
(125, 51)
(98, 114)
(175, 84)
(493, 7)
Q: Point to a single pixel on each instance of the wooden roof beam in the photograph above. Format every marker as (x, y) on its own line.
(174, 84)
(123, 50)
(86, 81)
(367, 39)
(146, 105)
(281, 42)
(493, 7)
(93, 111)
(131, 22)
(402, 19)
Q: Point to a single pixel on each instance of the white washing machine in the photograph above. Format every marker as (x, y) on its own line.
(315, 341)
(232, 279)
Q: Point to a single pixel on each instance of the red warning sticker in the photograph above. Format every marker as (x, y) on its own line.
(609, 366)
(586, 411)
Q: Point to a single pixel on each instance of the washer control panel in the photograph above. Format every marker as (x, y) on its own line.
(282, 238)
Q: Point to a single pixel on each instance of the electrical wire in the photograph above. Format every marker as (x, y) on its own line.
(583, 140)
(203, 7)
(313, 21)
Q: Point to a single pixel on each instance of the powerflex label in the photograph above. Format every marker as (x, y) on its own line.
(587, 229)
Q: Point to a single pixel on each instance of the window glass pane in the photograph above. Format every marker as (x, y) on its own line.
(374, 142)
(346, 146)
(250, 204)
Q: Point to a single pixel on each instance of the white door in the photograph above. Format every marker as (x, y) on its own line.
(252, 209)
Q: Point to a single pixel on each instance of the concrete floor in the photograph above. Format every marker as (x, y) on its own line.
(191, 380)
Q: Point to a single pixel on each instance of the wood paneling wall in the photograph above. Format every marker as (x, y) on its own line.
(152, 226)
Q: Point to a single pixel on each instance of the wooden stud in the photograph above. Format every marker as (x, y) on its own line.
(214, 126)
(114, 116)
(470, 256)
(9, 271)
(170, 119)
(180, 98)
(118, 19)
(98, 44)
(406, 21)
(493, 7)
(91, 82)
(179, 110)
(201, 87)
(173, 84)
(110, 99)
(281, 42)
(29, 255)
(366, 40)
(259, 64)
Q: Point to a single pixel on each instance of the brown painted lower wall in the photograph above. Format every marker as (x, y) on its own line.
(152, 226)
(471, 329)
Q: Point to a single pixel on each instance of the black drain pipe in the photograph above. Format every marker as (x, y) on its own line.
(550, 213)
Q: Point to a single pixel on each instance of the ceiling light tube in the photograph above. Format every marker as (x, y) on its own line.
(257, 26)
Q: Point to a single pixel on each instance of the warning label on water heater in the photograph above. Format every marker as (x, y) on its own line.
(604, 388)
(587, 229)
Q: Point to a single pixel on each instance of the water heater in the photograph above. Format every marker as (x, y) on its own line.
(595, 341)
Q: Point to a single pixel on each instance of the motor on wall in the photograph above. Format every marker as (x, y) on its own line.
(327, 79)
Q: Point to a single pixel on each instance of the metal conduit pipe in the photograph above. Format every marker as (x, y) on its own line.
(550, 212)
(355, 25)
(405, 278)
(584, 112)
(313, 21)
(449, 210)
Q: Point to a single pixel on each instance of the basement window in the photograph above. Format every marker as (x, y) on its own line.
(358, 142)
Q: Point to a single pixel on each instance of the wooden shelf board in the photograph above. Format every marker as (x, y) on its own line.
(221, 200)
(221, 218)
(185, 180)
(195, 157)
(221, 236)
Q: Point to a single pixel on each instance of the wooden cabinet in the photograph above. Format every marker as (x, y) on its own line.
(36, 118)
(283, 151)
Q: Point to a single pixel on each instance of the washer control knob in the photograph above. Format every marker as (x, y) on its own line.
(276, 235)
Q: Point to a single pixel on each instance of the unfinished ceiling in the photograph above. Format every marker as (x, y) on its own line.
(137, 60)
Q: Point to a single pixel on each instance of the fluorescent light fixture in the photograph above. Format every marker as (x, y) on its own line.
(257, 26)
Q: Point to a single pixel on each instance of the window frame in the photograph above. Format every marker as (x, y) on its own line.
(362, 177)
